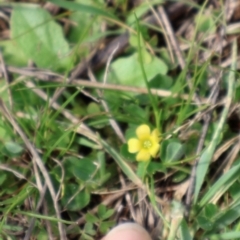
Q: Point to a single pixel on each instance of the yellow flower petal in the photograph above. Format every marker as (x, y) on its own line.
(154, 149)
(155, 135)
(143, 132)
(143, 155)
(134, 145)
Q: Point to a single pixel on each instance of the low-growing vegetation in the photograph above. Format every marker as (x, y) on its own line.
(119, 110)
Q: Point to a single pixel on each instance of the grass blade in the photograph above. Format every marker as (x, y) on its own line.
(225, 236)
(122, 164)
(207, 155)
(83, 8)
(221, 185)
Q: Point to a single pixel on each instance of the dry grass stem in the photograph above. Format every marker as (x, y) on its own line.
(50, 76)
(81, 129)
(6, 76)
(113, 122)
(127, 196)
(36, 158)
(165, 33)
(16, 173)
(171, 36)
(32, 221)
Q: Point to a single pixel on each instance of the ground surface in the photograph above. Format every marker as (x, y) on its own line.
(79, 79)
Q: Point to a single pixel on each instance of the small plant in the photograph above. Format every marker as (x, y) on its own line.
(97, 223)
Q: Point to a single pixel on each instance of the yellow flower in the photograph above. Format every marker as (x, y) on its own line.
(146, 144)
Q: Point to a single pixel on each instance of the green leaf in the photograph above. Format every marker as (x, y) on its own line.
(211, 210)
(83, 8)
(126, 154)
(140, 10)
(101, 210)
(227, 218)
(205, 23)
(104, 226)
(42, 235)
(225, 236)
(142, 169)
(161, 82)
(91, 218)
(87, 143)
(175, 151)
(184, 231)
(127, 70)
(220, 185)
(82, 168)
(165, 56)
(204, 223)
(39, 37)
(85, 22)
(108, 214)
(13, 147)
(3, 177)
(131, 132)
(78, 199)
(3, 133)
(84, 236)
(136, 112)
(154, 167)
(103, 174)
(93, 108)
(179, 177)
(4, 94)
(10, 48)
(89, 229)
(234, 191)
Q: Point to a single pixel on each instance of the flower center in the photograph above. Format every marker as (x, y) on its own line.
(147, 144)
